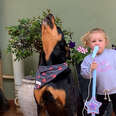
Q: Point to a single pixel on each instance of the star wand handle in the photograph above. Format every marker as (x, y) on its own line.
(94, 84)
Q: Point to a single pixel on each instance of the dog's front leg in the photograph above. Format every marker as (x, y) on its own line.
(41, 111)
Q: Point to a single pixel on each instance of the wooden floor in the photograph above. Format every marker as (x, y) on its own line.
(13, 110)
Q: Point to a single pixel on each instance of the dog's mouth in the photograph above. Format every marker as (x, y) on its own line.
(48, 20)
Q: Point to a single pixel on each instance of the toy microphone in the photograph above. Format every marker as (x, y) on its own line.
(93, 105)
(96, 48)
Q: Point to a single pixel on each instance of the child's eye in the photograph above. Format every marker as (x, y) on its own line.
(100, 40)
(93, 41)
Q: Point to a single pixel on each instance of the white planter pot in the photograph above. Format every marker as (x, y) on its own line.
(26, 98)
(18, 69)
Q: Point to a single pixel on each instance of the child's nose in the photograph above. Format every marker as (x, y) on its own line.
(97, 43)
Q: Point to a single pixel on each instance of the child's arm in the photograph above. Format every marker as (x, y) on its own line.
(93, 66)
(87, 68)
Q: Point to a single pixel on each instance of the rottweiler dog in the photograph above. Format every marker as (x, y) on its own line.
(56, 92)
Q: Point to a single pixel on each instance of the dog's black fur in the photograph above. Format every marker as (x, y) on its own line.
(64, 81)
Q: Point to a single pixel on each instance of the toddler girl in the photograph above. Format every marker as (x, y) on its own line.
(105, 65)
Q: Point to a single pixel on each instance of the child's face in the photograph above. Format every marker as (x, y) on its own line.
(97, 39)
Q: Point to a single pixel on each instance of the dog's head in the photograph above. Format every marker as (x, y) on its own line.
(52, 38)
(50, 35)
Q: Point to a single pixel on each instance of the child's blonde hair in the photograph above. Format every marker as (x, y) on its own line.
(85, 38)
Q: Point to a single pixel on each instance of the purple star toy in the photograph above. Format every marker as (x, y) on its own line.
(93, 106)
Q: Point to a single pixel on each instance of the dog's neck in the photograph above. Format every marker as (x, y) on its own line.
(49, 41)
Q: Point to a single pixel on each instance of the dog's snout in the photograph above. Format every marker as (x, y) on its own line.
(48, 21)
(49, 16)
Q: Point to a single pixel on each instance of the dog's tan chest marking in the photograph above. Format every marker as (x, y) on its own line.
(58, 95)
(50, 38)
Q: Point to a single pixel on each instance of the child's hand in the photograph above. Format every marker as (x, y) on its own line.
(93, 66)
